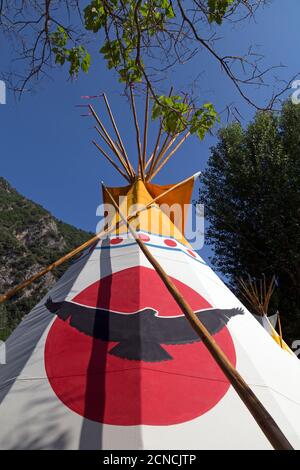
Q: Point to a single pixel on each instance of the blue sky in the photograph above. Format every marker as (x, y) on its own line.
(46, 151)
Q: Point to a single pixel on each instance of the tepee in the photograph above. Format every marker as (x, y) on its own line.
(258, 295)
(108, 360)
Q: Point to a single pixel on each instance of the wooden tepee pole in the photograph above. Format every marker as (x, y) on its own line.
(258, 299)
(131, 170)
(108, 143)
(138, 135)
(145, 129)
(262, 417)
(280, 330)
(111, 161)
(162, 164)
(104, 138)
(112, 144)
(153, 156)
(162, 152)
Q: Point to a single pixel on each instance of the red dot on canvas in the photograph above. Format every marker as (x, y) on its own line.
(190, 252)
(169, 242)
(116, 241)
(143, 237)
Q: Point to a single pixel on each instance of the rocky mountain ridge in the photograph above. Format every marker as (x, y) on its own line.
(30, 239)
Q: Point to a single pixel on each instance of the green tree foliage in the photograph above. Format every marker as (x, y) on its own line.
(218, 9)
(30, 239)
(251, 192)
(77, 56)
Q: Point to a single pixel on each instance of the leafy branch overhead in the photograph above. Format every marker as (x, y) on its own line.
(142, 41)
(127, 27)
(175, 115)
(77, 56)
(218, 9)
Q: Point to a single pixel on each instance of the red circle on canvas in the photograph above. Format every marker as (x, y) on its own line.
(111, 390)
(116, 241)
(169, 242)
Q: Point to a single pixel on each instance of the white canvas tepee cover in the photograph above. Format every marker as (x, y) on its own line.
(106, 360)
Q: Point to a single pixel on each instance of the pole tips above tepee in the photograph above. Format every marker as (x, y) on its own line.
(166, 143)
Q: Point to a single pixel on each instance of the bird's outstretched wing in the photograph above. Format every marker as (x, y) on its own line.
(179, 331)
(99, 323)
(139, 335)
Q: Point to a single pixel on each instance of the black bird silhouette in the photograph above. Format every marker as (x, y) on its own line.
(139, 335)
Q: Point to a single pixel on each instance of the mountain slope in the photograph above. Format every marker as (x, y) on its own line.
(30, 239)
